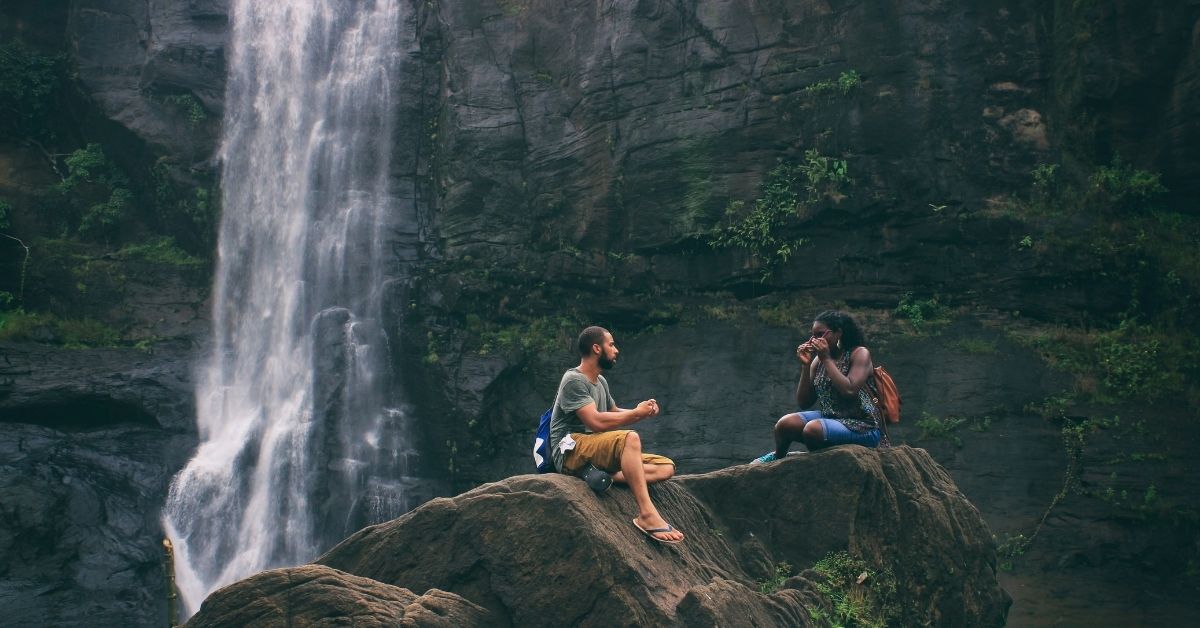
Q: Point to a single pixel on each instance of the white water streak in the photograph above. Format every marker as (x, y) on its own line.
(306, 202)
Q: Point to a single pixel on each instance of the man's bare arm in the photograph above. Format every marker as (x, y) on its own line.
(604, 421)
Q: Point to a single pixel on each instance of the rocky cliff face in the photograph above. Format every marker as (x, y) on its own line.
(570, 162)
(89, 442)
(564, 556)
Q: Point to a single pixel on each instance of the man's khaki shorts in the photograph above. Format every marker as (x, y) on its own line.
(603, 450)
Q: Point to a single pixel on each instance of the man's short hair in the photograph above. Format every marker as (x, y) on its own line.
(591, 336)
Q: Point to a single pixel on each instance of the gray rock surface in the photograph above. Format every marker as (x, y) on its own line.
(135, 56)
(89, 440)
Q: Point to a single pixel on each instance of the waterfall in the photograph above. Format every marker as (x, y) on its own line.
(301, 440)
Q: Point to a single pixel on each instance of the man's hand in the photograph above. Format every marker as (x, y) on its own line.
(647, 408)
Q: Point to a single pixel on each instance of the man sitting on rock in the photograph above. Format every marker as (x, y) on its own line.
(584, 435)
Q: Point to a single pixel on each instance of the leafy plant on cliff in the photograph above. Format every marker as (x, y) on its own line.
(161, 250)
(191, 211)
(1132, 361)
(920, 312)
(28, 84)
(92, 176)
(1076, 432)
(787, 197)
(845, 83)
(861, 596)
(1121, 187)
(1111, 222)
(189, 105)
(782, 572)
(935, 427)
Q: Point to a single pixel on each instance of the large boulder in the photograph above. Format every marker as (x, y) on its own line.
(546, 551)
(313, 595)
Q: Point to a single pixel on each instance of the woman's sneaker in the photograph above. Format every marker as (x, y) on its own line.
(765, 458)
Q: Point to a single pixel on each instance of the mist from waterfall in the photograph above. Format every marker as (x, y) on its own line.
(300, 439)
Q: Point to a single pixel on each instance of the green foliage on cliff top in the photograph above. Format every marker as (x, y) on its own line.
(29, 82)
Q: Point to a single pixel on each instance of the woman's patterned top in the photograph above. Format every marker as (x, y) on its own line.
(858, 413)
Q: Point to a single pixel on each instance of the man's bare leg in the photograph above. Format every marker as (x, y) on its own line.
(654, 473)
(633, 473)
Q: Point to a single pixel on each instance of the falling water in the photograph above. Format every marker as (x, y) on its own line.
(299, 441)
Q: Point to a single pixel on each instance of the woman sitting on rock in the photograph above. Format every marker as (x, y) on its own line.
(834, 377)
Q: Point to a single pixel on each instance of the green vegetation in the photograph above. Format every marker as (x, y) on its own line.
(1075, 434)
(1111, 222)
(1122, 187)
(782, 572)
(544, 335)
(921, 312)
(90, 165)
(197, 206)
(1130, 362)
(91, 177)
(161, 250)
(767, 230)
(979, 346)
(512, 8)
(29, 84)
(19, 325)
(861, 596)
(935, 427)
(845, 83)
(189, 105)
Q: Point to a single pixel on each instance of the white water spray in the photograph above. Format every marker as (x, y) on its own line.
(299, 444)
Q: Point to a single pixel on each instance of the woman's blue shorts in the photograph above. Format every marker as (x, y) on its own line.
(836, 432)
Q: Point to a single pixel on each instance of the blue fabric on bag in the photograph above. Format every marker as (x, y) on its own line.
(541, 444)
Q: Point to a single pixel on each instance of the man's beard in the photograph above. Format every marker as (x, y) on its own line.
(606, 363)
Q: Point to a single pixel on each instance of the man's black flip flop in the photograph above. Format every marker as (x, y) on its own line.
(651, 532)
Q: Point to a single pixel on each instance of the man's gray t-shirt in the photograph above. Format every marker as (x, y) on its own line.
(574, 392)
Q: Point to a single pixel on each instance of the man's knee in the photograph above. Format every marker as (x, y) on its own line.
(814, 432)
(633, 442)
(665, 471)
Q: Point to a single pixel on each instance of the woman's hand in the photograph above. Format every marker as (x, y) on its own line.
(806, 353)
(821, 346)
